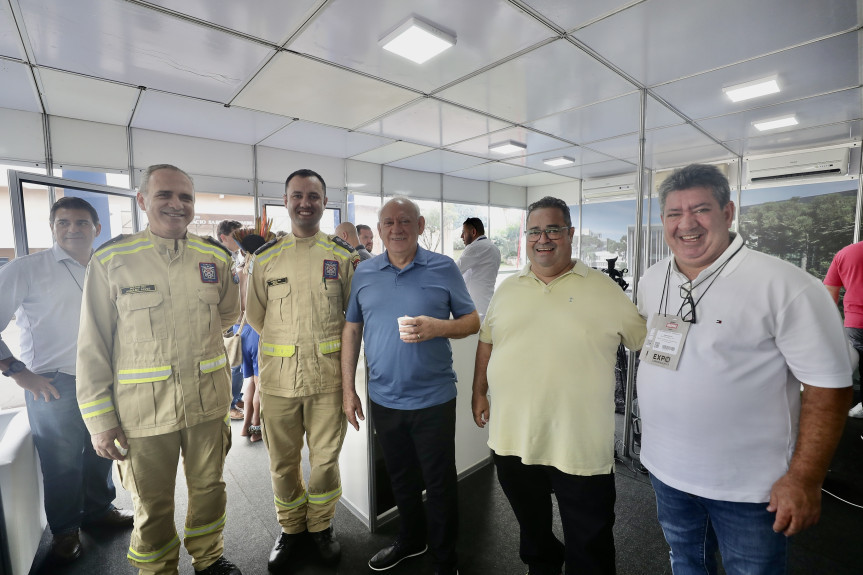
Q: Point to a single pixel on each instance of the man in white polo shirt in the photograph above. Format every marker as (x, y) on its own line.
(735, 452)
(479, 263)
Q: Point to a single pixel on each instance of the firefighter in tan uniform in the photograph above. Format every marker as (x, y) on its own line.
(153, 380)
(297, 295)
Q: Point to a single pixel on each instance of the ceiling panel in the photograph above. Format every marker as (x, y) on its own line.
(674, 158)
(810, 112)
(622, 147)
(577, 153)
(541, 179)
(440, 161)
(83, 98)
(568, 14)
(271, 20)
(545, 81)
(598, 170)
(10, 41)
(675, 138)
(391, 153)
(434, 123)
(128, 43)
(800, 139)
(17, 90)
(324, 140)
(493, 171)
(801, 72)
(178, 115)
(348, 32)
(663, 40)
(536, 143)
(606, 119)
(294, 86)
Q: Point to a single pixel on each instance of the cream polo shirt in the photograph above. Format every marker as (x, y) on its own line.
(43, 291)
(551, 372)
(724, 425)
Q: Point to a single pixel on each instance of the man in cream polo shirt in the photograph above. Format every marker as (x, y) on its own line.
(736, 453)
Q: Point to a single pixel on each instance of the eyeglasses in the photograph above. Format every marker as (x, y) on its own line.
(553, 233)
(687, 308)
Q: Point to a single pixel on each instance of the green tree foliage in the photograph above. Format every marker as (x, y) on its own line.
(806, 232)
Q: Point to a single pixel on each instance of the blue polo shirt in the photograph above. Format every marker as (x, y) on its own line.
(408, 375)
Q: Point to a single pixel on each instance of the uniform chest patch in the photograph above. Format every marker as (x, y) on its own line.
(209, 274)
(331, 270)
(137, 289)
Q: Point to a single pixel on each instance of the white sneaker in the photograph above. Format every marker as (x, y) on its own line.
(856, 411)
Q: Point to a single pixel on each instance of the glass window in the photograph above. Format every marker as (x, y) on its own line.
(431, 238)
(210, 209)
(454, 216)
(606, 228)
(282, 220)
(505, 230)
(35, 206)
(804, 225)
(363, 209)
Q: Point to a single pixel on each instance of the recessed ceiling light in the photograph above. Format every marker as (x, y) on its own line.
(753, 89)
(507, 147)
(355, 185)
(417, 41)
(559, 161)
(775, 123)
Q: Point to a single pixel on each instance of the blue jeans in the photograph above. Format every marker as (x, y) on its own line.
(236, 385)
(695, 527)
(78, 483)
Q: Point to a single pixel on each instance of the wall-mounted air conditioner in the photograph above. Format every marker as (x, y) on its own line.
(798, 166)
(609, 189)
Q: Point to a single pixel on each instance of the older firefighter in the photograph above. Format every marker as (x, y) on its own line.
(297, 294)
(153, 380)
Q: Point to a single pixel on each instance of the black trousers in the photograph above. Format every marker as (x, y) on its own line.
(586, 506)
(420, 445)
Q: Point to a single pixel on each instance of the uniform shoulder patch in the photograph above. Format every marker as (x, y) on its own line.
(213, 242)
(340, 242)
(267, 246)
(112, 241)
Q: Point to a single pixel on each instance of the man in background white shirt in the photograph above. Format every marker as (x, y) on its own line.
(478, 263)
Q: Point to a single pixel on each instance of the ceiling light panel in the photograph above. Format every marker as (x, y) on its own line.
(129, 43)
(417, 41)
(559, 162)
(754, 89)
(507, 147)
(775, 123)
(348, 32)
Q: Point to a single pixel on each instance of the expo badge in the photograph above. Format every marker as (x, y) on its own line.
(664, 343)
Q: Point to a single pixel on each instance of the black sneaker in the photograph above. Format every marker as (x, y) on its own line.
(328, 547)
(389, 557)
(221, 567)
(281, 553)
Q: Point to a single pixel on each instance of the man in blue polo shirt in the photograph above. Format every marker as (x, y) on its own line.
(410, 302)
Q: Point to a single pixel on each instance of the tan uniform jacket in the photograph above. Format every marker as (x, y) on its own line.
(297, 296)
(150, 349)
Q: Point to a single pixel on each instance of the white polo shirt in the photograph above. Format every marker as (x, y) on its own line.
(723, 426)
(479, 263)
(43, 291)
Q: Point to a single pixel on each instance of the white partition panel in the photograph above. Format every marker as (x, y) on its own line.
(354, 458)
(411, 183)
(194, 155)
(465, 191)
(82, 143)
(276, 165)
(21, 137)
(471, 442)
(271, 189)
(363, 177)
(508, 196)
(567, 191)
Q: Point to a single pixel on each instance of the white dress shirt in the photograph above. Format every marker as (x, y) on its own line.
(479, 263)
(43, 291)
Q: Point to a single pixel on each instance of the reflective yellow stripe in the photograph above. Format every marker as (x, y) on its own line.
(292, 504)
(145, 375)
(330, 346)
(265, 256)
(206, 529)
(95, 413)
(274, 350)
(322, 498)
(206, 248)
(335, 248)
(98, 407)
(211, 365)
(155, 555)
(109, 252)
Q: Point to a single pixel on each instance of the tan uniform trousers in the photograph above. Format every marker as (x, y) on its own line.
(285, 421)
(149, 473)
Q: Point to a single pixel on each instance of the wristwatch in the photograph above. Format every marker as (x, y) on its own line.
(16, 366)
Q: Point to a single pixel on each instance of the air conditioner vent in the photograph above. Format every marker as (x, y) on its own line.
(798, 166)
